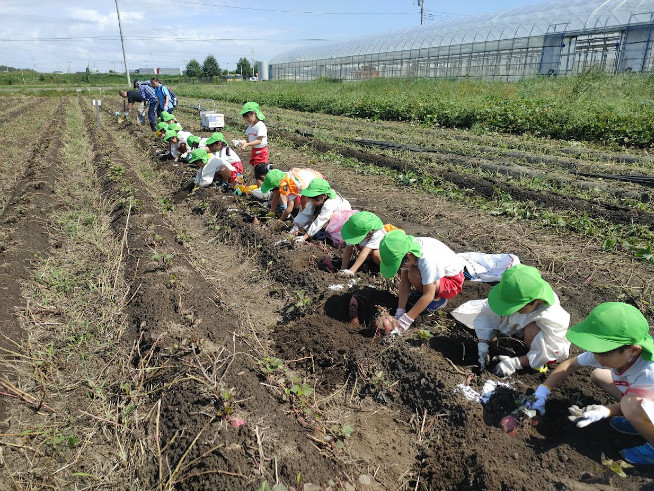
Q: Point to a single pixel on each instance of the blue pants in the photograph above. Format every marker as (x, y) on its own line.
(152, 115)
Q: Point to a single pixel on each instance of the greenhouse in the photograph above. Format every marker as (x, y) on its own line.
(554, 38)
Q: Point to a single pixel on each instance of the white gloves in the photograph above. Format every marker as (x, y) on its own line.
(294, 230)
(404, 322)
(482, 349)
(125, 113)
(506, 366)
(399, 312)
(540, 396)
(345, 273)
(236, 143)
(300, 240)
(590, 414)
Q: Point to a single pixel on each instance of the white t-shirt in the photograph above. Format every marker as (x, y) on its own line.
(437, 260)
(550, 344)
(257, 132)
(374, 240)
(639, 376)
(312, 225)
(183, 135)
(205, 174)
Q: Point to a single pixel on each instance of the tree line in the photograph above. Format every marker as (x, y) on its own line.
(211, 68)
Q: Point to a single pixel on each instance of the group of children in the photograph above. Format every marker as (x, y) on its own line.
(615, 336)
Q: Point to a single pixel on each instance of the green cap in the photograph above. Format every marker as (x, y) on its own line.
(273, 180)
(169, 134)
(166, 116)
(318, 186)
(359, 225)
(611, 325)
(162, 126)
(252, 107)
(519, 285)
(199, 154)
(192, 140)
(392, 249)
(175, 127)
(216, 137)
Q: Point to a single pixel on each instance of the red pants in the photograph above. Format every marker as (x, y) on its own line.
(258, 156)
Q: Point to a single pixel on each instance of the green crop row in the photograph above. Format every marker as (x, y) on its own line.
(616, 110)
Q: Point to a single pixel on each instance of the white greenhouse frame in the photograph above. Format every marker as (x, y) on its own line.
(555, 38)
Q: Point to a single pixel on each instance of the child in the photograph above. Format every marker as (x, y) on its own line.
(425, 264)
(616, 338)
(166, 117)
(177, 146)
(222, 160)
(161, 129)
(364, 230)
(522, 305)
(257, 139)
(323, 202)
(287, 187)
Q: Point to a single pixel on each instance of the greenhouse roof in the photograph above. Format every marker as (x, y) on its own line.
(559, 16)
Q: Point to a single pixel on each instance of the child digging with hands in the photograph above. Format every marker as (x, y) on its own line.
(286, 188)
(323, 203)
(521, 305)
(427, 265)
(365, 231)
(618, 345)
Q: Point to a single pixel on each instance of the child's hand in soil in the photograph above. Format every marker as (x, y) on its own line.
(345, 273)
(540, 397)
(590, 414)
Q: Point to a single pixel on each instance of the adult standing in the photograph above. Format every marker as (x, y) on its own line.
(133, 96)
(147, 93)
(163, 96)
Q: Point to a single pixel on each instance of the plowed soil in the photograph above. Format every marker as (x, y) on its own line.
(250, 369)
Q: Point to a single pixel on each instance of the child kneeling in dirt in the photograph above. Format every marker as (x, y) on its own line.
(223, 159)
(521, 305)
(210, 165)
(286, 188)
(365, 231)
(618, 345)
(323, 203)
(425, 264)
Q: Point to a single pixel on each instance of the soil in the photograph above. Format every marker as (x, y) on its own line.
(240, 323)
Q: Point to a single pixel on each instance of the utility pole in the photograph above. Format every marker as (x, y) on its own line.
(252, 64)
(421, 4)
(122, 42)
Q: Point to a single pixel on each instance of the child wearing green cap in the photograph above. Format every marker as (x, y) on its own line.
(222, 160)
(286, 188)
(257, 139)
(521, 305)
(365, 231)
(618, 345)
(323, 203)
(425, 264)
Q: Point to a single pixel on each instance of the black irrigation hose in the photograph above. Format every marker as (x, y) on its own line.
(638, 179)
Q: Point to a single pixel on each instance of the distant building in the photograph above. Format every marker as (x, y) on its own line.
(146, 71)
(169, 71)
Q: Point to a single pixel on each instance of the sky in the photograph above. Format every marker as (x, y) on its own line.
(56, 35)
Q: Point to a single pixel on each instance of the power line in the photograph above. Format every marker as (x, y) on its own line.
(310, 12)
(159, 38)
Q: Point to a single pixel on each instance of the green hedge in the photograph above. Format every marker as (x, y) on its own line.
(592, 107)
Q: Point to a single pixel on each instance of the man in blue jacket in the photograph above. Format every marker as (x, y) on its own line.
(148, 93)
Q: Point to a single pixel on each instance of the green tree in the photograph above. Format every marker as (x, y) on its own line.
(193, 68)
(87, 74)
(210, 66)
(244, 67)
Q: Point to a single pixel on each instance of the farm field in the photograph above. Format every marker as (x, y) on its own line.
(158, 338)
